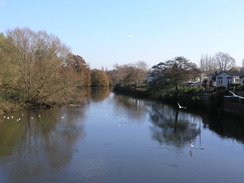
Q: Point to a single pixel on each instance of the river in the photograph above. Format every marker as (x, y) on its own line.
(111, 138)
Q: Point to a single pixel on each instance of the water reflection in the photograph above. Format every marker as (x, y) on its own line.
(99, 94)
(225, 127)
(38, 140)
(84, 144)
(173, 126)
(134, 108)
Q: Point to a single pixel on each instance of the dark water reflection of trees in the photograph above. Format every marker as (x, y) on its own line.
(173, 126)
(177, 127)
(100, 93)
(135, 108)
(45, 139)
(41, 140)
(225, 127)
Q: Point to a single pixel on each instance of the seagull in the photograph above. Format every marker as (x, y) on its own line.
(191, 143)
(181, 107)
(129, 36)
(236, 95)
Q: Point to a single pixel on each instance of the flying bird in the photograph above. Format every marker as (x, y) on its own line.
(181, 107)
(129, 36)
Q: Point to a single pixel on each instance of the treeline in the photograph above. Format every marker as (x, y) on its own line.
(36, 68)
(219, 62)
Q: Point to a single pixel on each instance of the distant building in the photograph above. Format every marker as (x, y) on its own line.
(205, 76)
(225, 78)
(242, 80)
(153, 76)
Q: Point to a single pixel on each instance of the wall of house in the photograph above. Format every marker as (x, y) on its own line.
(224, 77)
(242, 80)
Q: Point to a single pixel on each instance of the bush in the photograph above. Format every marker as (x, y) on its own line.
(240, 88)
(219, 88)
(216, 99)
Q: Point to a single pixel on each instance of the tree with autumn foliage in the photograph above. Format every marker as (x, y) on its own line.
(37, 68)
(79, 70)
(127, 74)
(99, 78)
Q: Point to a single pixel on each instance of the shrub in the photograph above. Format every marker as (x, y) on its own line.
(240, 88)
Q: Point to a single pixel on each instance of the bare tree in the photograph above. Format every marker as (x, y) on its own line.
(39, 58)
(242, 67)
(224, 61)
(141, 71)
(123, 74)
(208, 64)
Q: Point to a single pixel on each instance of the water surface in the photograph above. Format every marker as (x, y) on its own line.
(113, 138)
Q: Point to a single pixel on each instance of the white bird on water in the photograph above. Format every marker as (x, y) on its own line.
(236, 95)
(191, 143)
(181, 107)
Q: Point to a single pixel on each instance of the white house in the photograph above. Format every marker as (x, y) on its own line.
(242, 80)
(225, 78)
(204, 76)
(153, 75)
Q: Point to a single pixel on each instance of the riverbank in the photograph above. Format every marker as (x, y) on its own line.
(194, 99)
(191, 97)
(8, 104)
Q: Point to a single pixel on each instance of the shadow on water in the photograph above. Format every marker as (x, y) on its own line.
(173, 126)
(225, 127)
(34, 141)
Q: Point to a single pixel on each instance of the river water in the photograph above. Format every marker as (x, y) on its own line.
(112, 138)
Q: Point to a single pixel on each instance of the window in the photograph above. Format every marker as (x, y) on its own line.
(229, 80)
(220, 80)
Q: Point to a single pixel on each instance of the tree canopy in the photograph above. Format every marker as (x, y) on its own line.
(173, 73)
(127, 74)
(35, 66)
(99, 78)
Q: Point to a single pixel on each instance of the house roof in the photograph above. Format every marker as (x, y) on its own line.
(234, 73)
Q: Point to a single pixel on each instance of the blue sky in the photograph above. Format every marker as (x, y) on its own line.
(98, 30)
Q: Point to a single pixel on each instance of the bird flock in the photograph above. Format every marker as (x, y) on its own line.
(18, 119)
